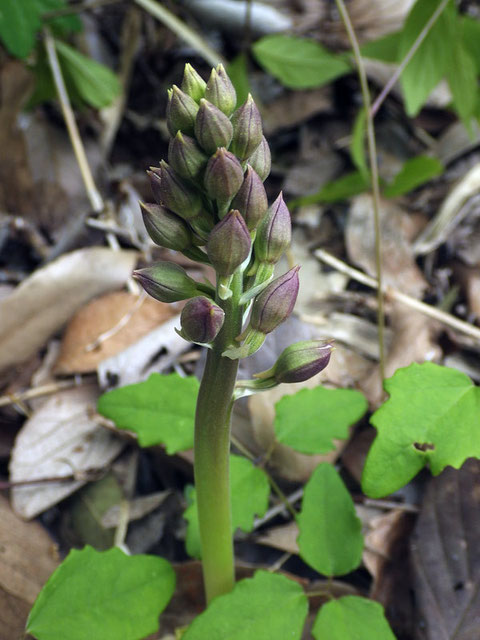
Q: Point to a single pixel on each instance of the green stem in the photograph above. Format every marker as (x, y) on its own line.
(212, 451)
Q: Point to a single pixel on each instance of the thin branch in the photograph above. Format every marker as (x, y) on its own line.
(37, 392)
(372, 154)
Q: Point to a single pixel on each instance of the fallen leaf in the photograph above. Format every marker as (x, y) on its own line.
(283, 537)
(47, 299)
(138, 508)
(59, 440)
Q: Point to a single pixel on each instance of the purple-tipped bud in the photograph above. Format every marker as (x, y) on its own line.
(247, 129)
(275, 303)
(193, 84)
(201, 320)
(165, 228)
(261, 159)
(220, 91)
(213, 128)
(229, 244)
(223, 176)
(274, 233)
(181, 111)
(167, 282)
(299, 362)
(251, 199)
(186, 157)
(169, 191)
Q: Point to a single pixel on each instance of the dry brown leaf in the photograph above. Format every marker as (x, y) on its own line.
(27, 558)
(47, 299)
(59, 440)
(295, 107)
(283, 537)
(119, 316)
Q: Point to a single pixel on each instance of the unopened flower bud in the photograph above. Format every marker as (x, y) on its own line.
(193, 84)
(223, 176)
(261, 159)
(201, 320)
(168, 282)
(275, 303)
(165, 228)
(186, 157)
(220, 91)
(299, 362)
(181, 111)
(213, 128)
(274, 233)
(229, 244)
(247, 129)
(251, 199)
(169, 191)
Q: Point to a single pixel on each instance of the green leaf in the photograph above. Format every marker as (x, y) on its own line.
(432, 417)
(297, 62)
(160, 410)
(330, 537)
(462, 80)
(249, 491)
(106, 595)
(414, 172)
(261, 608)
(429, 63)
(470, 29)
(357, 145)
(384, 49)
(94, 83)
(310, 419)
(62, 25)
(19, 22)
(345, 187)
(238, 74)
(351, 618)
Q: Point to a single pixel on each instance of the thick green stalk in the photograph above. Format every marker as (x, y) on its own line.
(212, 450)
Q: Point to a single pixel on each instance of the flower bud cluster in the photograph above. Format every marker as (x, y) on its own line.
(212, 206)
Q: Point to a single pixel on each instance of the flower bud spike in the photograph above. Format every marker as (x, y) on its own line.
(213, 128)
(220, 91)
(168, 282)
(247, 129)
(261, 160)
(201, 320)
(181, 112)
(169, 191)
(251, 199)
(299, 362)
(193, 84)
(186, 157)
(276, 302)
(165, 228)
(223, 177)
(274, 233)
(229, 244)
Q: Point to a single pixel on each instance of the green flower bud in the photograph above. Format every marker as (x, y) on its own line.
(229, 244)
(193, 84)
(213, 128)
(251, 199)
(247, 129)
(165, 228)
(181, 111)
(223, 176)
(261, 159)
(274, 233)
(168, 282)
(201, 320)
(299, 362)
(275, 303)
(220, 91)
(186, 157)
(169, 191)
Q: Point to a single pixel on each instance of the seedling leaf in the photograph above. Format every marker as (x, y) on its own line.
(106, 595)
(432, 417)
(160, 410)
(309, 420)
(351, 618)
(414, 172)
(19, 22)
(263, 607)
(249, 490)
(345, 187)
(330, 537)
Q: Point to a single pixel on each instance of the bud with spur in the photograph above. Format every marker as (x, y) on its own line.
(251, 199)
(275, 303)
(247, 129)
(171, 192)
(229, 244)
(274, 233)
(299, 362)
(193, 84)
(165, 228)
(220, 91)
(213, 128)
(181, 111)
(186, 157)
(168, 282)
(261, 159)
(223, 177)
(201, 320)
